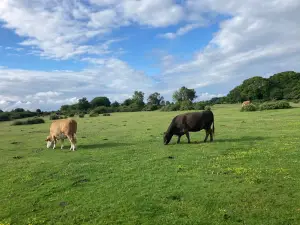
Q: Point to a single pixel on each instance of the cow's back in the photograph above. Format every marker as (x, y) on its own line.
(66, 126)
(199, 120)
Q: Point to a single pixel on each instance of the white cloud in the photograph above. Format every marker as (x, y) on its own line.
(62, 29)
(260, 37)
(181, 31)
(255, 41)
(49, 90)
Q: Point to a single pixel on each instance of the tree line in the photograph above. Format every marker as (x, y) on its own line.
(284, 85)
(280, 86)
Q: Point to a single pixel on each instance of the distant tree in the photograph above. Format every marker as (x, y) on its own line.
(83, 104)
(184, 94)
(168, 103)
(115, 104)
(18, 110)
(284, 85)
(138, 98)
(155, 99)
(127, 102)
(100, 101)
(65, 108)
(38, 111)
(1, 111)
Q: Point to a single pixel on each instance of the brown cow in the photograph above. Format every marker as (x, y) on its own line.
(60, 130)
(245, 103)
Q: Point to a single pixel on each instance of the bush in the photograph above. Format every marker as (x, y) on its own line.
(150, 107)
(54, 117)
(171, 107)
(249, 108)
(275, 105)
(4, 117)
(101, 110)
(35, 121)
(28, 122)
(94, 114)
(208, 108)
(71, 115)
(199, 106)
(186, 105)
(81, 115)
(106, 114)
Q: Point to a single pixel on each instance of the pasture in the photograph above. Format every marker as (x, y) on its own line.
(122, 173)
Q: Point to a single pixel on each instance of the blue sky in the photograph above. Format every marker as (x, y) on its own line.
(53, 54)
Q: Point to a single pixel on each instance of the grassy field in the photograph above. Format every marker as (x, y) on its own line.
(123, 174)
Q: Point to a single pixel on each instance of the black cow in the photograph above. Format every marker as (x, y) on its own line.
(190, 122)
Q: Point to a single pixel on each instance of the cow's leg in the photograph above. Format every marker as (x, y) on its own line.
(211, 135)
(54, 141)
(178, 139)
(72, 141)
(188, 136)
(62, 143)
(206, 135)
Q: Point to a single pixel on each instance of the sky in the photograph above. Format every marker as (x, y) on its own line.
(54, 52)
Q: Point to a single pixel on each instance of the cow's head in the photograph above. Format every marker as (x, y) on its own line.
(49, 142)
(167, 138)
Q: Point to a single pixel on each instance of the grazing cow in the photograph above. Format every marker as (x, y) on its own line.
(245, 103)
(60, 130)
(190, 122)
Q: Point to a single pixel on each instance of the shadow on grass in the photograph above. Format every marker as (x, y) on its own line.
(242, 139)
(102, 145)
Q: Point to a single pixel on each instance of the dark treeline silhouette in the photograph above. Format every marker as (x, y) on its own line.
(285, 85)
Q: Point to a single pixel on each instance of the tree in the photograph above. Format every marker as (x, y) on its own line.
(155, 99)
(127, 102)
(100, 101)
(138, 98)
(184, 94)
(18, 110)
(65, 108)
(38, 111)
(1, 111)
(115, 104)
(83, 104)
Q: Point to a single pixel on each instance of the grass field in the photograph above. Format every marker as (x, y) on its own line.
(123, 174)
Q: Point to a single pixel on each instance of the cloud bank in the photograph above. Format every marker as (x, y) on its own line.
(257, 38)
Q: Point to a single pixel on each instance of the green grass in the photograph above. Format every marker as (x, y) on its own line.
(122, 173)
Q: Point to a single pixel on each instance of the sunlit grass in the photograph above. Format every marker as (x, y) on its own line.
(123, 174)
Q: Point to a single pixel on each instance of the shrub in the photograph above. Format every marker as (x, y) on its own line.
(150, 107)
(71, 115)
(18, 122)
(106, 114)
(249, 108)
(54, 117)
(4, 117)
(275, 105)
(186, 105)
(207, 108)
(81, 115)
(199, 106)
(101, 110)
(94, 114)
(35, 121)
(28, 122)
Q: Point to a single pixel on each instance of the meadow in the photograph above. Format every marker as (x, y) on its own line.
(122, 173)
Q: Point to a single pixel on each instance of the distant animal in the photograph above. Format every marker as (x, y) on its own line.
(190, 122)
(245, 103)
(60, 130)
